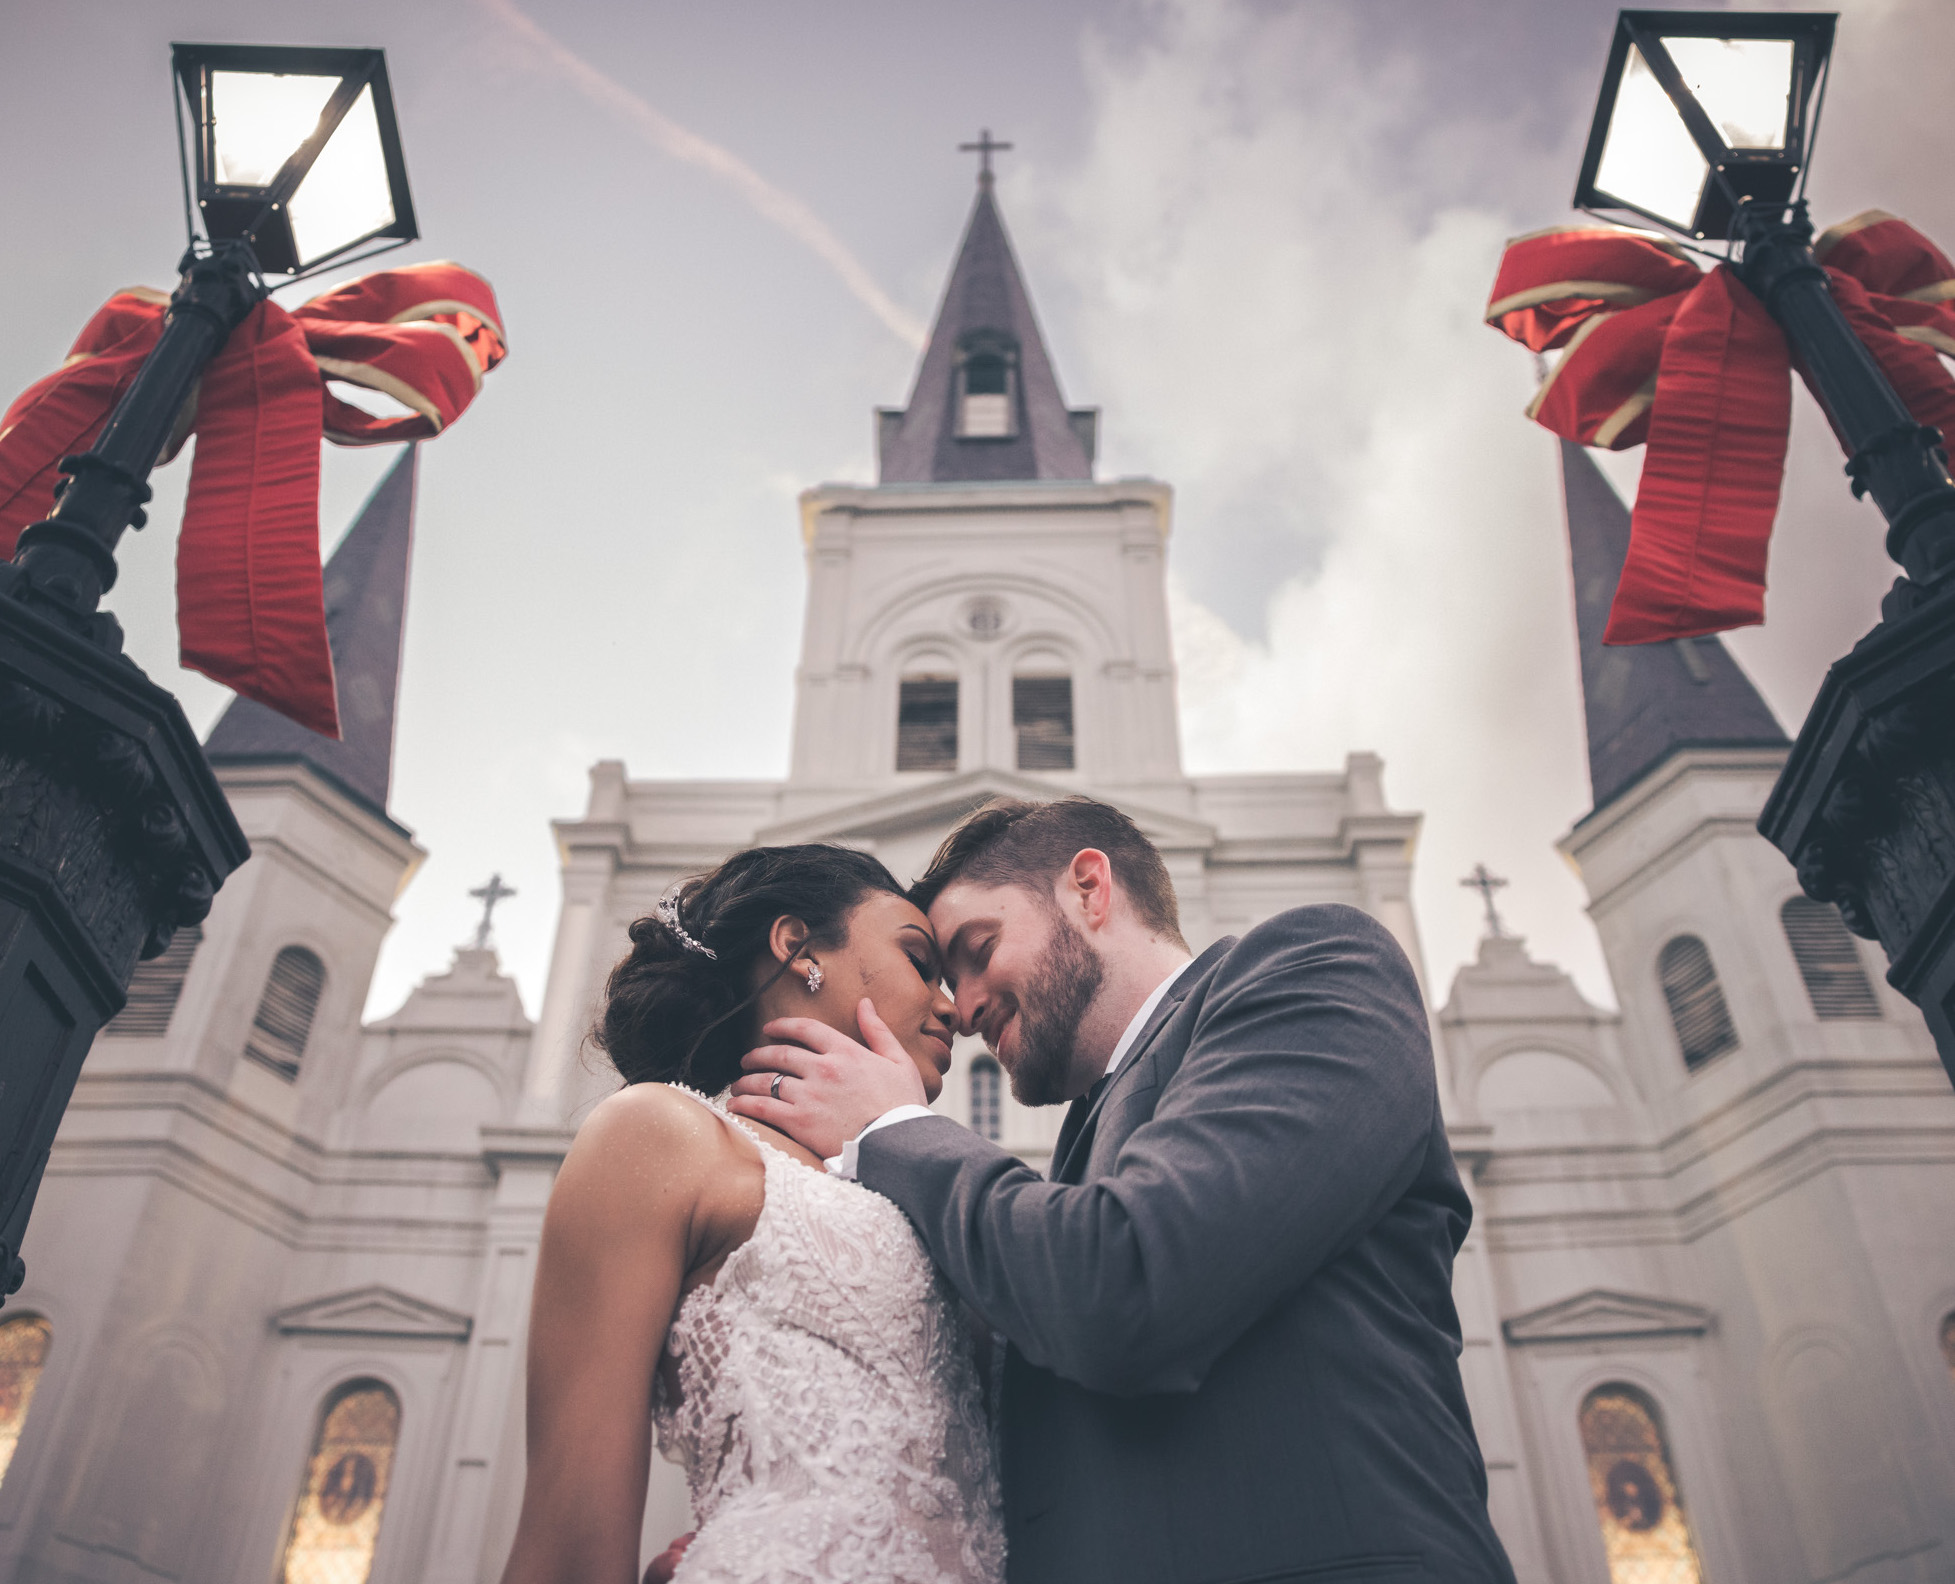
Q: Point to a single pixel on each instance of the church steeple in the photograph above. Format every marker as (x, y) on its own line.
(986, 404)
(1644, 701)
(366, 602)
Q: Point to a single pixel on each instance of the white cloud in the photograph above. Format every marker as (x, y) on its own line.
(1301, 353)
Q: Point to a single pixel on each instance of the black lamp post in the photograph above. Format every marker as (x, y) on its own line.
(113, 831)
(1705, 125)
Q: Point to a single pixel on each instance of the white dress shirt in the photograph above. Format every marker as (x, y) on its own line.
(843, 1165)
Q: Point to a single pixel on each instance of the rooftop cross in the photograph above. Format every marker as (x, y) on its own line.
(1486, 884)
(984, 148)
(490, 895)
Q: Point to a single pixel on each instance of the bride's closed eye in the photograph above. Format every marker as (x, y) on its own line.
(923, 955)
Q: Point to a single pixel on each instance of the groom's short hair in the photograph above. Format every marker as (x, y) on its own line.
(1013, 842)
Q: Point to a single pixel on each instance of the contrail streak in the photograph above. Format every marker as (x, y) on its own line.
(784, 209)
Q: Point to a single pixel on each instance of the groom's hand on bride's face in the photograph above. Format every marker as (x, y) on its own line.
(831, 1087)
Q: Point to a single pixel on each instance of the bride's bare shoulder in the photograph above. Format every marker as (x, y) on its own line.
(651, 1116)
(638, 1149)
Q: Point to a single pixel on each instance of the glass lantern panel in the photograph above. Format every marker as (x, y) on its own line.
(1649, 159)
(345, 196)
(1744, 85)
(257, 120)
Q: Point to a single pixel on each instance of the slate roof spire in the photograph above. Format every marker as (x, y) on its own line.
(1644, 702)
(985, 343)
(366, 603)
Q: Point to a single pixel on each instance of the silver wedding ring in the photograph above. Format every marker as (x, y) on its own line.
(774, 1088)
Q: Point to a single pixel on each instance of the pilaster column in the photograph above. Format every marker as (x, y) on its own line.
(472, 1534)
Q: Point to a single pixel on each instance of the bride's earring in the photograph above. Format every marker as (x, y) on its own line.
(814, 977)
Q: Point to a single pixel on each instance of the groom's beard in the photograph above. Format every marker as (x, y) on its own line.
(1049, 1015)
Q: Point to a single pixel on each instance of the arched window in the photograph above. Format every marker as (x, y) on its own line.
(1697, 1009)
(1948, 1341)
(284, 1020)
(1042, 720)
(926, 723)
(154, 990)
(1829, 962)
(24, 1340)
(336, 1522)
(1645, 1533)
(987, 1102)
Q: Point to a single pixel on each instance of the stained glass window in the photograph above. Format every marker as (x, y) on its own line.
(1645, 1533)
(337, 1522)
(23, 1355)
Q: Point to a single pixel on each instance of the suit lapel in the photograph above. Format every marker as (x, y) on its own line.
(1081, 1140)
(1075, 1120)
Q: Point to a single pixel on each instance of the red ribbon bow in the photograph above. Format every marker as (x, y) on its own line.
(250, 612)
(1660, 351)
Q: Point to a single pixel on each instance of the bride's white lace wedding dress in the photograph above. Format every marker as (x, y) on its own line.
(828, 1412)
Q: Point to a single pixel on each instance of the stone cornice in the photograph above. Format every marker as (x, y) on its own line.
(535, 1147)
(860, 500)
(1600, 1315)
(373, 1311)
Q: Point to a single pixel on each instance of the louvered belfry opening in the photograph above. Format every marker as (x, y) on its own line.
(285, 1010)
(1829, 962)
(1042, 717)
(154, 990)
(926, 723)
(987, 382)
(1697, 1009)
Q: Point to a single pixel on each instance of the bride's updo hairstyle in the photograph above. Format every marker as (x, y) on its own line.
(672, 1013)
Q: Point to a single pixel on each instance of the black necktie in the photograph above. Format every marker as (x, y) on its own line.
(1076, 1116)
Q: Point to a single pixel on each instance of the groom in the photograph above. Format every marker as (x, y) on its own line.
(1233, 1350)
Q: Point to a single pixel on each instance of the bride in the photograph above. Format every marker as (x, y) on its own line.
(782, 1330)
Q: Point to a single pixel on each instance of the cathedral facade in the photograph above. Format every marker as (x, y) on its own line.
(279, 1273)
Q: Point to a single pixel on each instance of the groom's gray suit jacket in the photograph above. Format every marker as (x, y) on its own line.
(1234, 1355)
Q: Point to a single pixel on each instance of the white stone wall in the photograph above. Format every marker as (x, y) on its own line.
(985, 582)
(1758, 1245)
(218, 1247)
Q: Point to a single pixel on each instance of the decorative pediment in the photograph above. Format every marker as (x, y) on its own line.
(373, 1312)
(1599, 1315)
(948, 800)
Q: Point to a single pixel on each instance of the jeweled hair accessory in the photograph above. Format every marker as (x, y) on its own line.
(668, 915)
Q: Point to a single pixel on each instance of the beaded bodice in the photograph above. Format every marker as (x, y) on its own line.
(828, 1410)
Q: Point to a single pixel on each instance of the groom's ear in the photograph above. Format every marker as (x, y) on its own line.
(1088, 886)
(787, 937)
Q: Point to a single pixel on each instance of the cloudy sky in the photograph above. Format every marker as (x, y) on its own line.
(1259, 235)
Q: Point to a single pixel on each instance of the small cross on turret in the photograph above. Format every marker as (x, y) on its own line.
(984, 148)
(1486, 883)
(490, 895)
